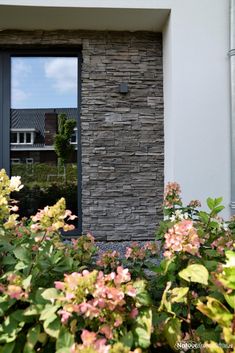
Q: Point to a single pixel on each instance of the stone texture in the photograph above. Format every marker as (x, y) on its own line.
(122, 134)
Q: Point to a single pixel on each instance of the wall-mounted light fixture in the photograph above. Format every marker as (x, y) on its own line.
(123, 88)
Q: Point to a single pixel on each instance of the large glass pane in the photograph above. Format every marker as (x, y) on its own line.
(13, 137)
(43, 100)
(28, 137)
(21, 137)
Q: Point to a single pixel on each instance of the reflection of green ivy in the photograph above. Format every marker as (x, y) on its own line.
(62, 145)
(40, 171)
(37, 196)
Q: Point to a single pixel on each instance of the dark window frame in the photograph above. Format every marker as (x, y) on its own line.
(5, 104)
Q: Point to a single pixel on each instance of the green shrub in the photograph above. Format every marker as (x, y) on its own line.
(52, 299)
(59, 297)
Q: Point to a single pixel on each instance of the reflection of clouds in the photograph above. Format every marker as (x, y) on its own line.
(63, 73)
(19, 72)
(18, 95)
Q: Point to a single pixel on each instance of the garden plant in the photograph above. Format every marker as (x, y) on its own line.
(174, 294)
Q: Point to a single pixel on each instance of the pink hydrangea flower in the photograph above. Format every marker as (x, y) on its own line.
(107, 331)
(172, 195)
(134, 312)
(59, 285)
(15, 292)
(123, 275)
(182, 237)
(88, 337)
(65, 315)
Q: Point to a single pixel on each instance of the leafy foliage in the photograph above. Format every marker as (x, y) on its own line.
(196, 306)
(63, 147)
(57, 296)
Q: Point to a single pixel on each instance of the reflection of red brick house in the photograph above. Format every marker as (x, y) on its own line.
(32, 134)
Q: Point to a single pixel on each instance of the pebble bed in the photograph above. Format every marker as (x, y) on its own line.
(119, 246)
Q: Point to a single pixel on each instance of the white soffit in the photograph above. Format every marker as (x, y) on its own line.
(83, 18)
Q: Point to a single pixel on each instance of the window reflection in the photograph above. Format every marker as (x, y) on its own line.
(35, 127)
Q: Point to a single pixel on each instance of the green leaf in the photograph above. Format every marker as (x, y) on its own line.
(31, 311)
(229, 336)
(142, 328)
(195, 273)
(210, 203)
(166, 263)
(48, 311)
(207, 334)
(212, 347)
(216, 311)
(26, 282)
(10, 328)
(52, 326)
(230, 299)
(42, 338)
(214, 224)
(230, 255)
(8, 348)
(21, 266)
(127, 339)
(142, 295)
(172, 332)
(64, 350)
(8, 260)
(5, 304)
(211, 265)
(218, 209)
(178, 294)
(165, 304)
(28, 349)
(204, 217)
(65, 339)
(22, 254)
(50, 293)
(18, 315)
(211, 253)
(38, 297)
(32, 336)
(218, 201)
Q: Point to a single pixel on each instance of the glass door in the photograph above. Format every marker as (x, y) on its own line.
(44, 131)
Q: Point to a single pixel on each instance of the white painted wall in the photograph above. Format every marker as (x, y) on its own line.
(197, 115)
(196, 81)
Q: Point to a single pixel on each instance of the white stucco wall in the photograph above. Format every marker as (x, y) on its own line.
(196, 82)
(197, 114)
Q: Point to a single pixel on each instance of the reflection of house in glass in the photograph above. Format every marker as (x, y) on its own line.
(32, 135)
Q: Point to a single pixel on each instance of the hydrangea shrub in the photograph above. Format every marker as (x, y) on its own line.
(61, 297)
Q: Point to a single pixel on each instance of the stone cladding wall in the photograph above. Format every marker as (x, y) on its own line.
(122, 135)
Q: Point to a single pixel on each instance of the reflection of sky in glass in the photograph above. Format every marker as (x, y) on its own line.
(43, 82)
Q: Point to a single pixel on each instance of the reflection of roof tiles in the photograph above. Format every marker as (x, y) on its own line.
(35, 118)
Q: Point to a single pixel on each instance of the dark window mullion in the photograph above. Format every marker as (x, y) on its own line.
(6, 105)
(1, 110)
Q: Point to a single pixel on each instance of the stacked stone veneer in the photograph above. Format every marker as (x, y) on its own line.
(122, 135)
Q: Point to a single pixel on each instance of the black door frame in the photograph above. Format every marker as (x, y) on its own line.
(5, 105)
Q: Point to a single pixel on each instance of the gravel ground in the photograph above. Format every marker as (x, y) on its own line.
(119, 246)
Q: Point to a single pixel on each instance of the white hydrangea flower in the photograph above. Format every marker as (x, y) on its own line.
(178, 215)
(225, 226)
(15, 183)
